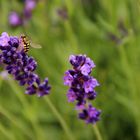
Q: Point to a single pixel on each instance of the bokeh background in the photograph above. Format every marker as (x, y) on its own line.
(108, 31)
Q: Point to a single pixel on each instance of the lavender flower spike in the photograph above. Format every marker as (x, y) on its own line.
(28, 8)
(21, 66)
(82, 87)
(14, 19)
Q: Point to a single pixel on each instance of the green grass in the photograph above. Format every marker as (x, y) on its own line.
(88, 30)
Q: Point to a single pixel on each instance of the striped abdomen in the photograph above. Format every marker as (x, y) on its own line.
(26, 47)
(26, 43)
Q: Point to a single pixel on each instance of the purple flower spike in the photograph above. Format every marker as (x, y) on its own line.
(21, 66)
(30, 4)
(14, 19)
(82, 87)
(29, 7)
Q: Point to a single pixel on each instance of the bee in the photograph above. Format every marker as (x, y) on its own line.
(25, 44)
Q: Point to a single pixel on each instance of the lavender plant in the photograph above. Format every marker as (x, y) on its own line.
(82, 87)
(16, 19)
(21, 66)
(29, 6)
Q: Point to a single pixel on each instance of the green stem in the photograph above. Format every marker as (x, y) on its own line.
(60, 118)
(97, 132)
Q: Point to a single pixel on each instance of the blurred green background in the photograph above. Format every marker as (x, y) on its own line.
(108, 31)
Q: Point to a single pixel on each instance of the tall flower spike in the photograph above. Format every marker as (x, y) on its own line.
(82, 87)
(28, 8)
(21, 66)
(16, 19)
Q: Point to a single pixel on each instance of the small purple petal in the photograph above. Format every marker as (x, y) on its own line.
(68, 79)
(85, 69)
(90, 114)
(4, 39)
(71, 95)
(90, 85)
(90, 62)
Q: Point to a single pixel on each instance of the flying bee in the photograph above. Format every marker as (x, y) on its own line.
(25, 44)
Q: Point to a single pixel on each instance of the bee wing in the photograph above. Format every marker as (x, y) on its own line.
(34, 45)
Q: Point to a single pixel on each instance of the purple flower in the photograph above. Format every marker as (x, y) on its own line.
(82, 87)
(40, 89)
(68, 79)
(90, 85)
(4, 39)
(21, 66)
(90, 114)
(15, 19)
(71, 95)
(85, 69)
(90, 62)
(91, 95)
(30, 4)
(28, 8)
(80, 105)
(77, 61)
(14, 41)
(82, 63)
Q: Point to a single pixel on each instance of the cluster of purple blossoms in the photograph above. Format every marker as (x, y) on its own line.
(82, 87)
(21, 66)
(16, 19)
